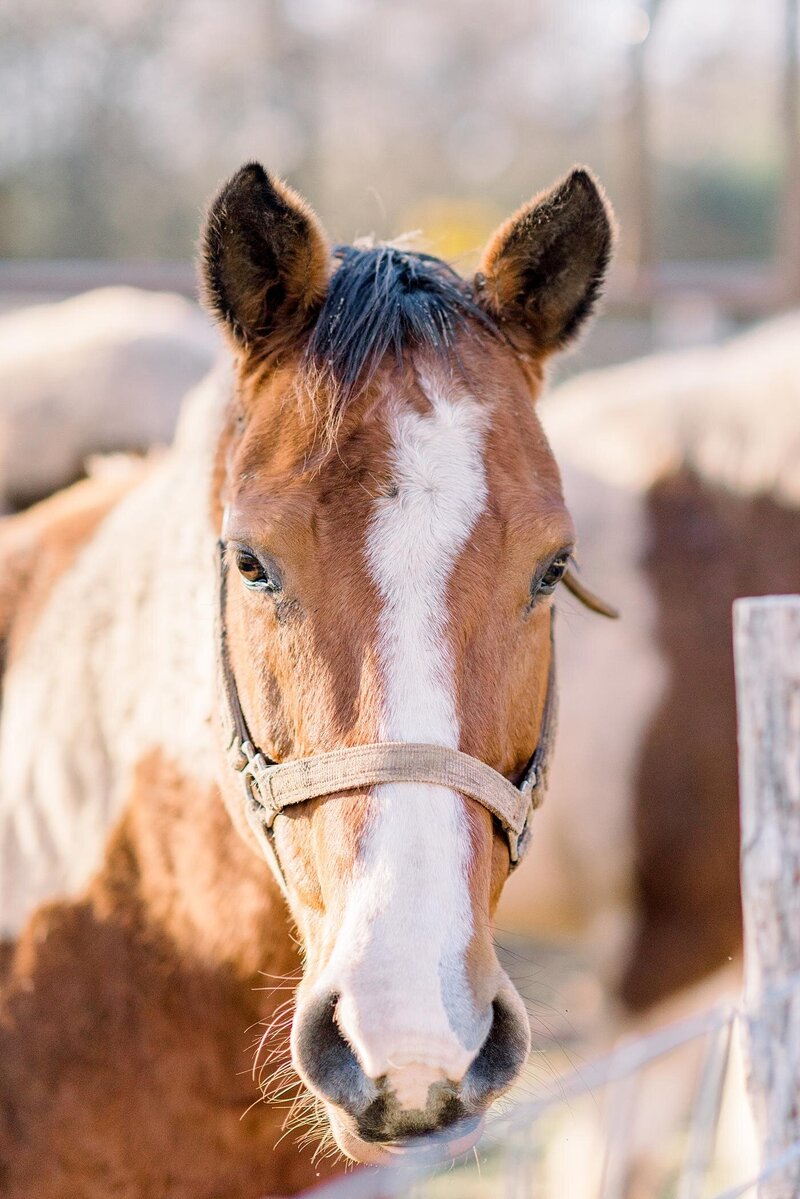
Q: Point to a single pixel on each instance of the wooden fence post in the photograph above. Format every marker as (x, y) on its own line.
(767, 659)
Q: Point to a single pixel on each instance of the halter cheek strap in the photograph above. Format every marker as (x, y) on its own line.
(269, 787)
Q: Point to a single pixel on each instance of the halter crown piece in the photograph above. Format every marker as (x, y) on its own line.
(268, 787)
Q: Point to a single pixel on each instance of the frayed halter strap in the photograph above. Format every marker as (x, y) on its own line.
(270, 786)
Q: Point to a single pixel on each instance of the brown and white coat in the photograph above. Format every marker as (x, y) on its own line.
(397, 534)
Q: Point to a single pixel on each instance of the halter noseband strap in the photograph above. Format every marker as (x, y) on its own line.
(269, 786)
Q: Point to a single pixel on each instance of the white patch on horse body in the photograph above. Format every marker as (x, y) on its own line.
(399, 960)
(134, 672)
(728, 412)
(103, 370)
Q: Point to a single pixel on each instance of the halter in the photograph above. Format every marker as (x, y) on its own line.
(269, 787)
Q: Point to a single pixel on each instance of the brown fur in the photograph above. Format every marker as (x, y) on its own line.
(128, 1029)
(708, 547)
(543, 269)
(274, 290)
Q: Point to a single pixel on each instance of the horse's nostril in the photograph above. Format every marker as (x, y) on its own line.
(501, 1056)
(324, 1059)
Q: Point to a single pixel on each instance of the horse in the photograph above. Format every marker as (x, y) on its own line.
(98, 373)
(682, 472)
(302, 669)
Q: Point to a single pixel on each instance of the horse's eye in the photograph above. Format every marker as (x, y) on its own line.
(255, 574)
(546, 583)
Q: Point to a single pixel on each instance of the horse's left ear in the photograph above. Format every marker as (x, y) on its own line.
(264, 259)
(543, 269)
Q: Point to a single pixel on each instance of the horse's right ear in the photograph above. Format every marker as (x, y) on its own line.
(265, 259)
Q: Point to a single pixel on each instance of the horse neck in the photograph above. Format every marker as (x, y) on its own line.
(176, 865)
(194, 876)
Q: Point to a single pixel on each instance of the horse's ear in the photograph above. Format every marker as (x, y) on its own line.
(264, 258)
(542, 270)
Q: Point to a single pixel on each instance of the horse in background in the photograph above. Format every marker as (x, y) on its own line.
(682, 471)
(103, 372)
(350, 554)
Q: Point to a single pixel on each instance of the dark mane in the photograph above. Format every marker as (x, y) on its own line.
(385, 300)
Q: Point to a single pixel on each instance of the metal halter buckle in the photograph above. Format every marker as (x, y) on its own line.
(252, 772)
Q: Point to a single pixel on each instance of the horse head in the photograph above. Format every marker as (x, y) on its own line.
(392, 532)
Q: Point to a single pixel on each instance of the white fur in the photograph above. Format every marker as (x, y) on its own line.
(141, 595)
(398, 962)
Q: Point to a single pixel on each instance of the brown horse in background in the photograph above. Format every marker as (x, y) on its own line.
(392, 529)
(682, 474)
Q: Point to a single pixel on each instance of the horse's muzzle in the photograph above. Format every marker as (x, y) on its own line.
(373, 1118)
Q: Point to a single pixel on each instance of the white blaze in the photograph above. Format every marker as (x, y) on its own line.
(399, 961)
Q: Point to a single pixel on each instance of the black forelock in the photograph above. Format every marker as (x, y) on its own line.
(384, 300)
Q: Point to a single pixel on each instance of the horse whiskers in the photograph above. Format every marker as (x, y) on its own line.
(301, 1101)
(302, 1114)
(307, 1113)
(319, 1130)
(273, 1067)
(283, 1006)
(260, 1063)
(281, 1080)
(280, 1021)
(291, 1091)
(305, 1110)
(282, 1067)
(279, 1077)
(277, 1023)
(290, 1094)
(300, 1111)
(280, 982)
(250, 1106)
(275, 1057)
(278, 1083)
(331, 1153)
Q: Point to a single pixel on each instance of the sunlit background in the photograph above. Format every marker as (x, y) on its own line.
(121, 116)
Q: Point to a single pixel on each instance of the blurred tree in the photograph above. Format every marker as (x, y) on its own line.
(789, 236)
(120, 116)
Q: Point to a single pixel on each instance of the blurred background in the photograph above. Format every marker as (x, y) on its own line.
(120, 117)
